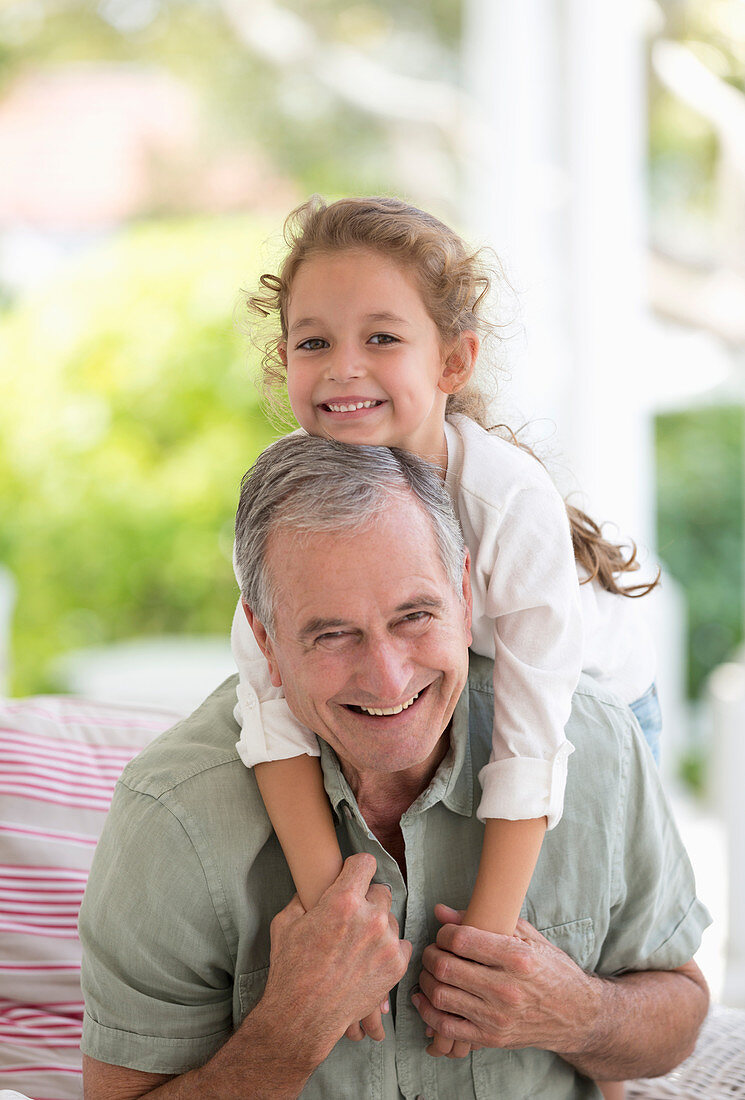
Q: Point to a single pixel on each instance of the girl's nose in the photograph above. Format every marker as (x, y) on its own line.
(344, 366)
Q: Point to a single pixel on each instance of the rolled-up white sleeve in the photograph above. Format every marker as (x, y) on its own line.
(524, 565)
(269, 729)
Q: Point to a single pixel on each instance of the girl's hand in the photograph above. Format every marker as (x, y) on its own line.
(449, 1048)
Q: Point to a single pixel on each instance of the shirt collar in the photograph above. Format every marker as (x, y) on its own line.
(452, 783)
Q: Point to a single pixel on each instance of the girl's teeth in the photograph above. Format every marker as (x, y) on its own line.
(351, 408)
(389, 710)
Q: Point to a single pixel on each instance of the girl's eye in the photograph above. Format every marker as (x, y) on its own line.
(315, 343)
(383, 338)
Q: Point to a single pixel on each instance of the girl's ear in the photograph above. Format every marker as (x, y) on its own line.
(459, 364)
(282, 352)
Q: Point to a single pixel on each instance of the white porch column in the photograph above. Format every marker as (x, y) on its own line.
(727, 695)
(556, 185)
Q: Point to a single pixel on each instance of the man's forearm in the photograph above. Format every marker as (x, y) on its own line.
(261, 1061)
(645, 1023)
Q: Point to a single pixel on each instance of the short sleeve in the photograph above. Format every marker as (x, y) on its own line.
(656, 919)
(157, 974)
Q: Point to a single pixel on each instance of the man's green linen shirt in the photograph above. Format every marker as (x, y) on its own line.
(188, 875)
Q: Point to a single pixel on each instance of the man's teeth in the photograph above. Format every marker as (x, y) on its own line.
(336, 408)
(389, 710)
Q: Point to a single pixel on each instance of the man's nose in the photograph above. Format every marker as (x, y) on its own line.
(386, 672)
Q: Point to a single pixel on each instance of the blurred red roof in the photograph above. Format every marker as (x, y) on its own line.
(92, 145)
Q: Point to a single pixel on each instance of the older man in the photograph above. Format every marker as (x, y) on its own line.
(204, 977)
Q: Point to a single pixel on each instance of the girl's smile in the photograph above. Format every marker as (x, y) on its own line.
(365, 361)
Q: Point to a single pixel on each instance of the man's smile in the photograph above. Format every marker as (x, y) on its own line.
(386, 712)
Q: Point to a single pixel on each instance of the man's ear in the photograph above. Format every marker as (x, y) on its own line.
(468, 595)
(460, 363)
(265, 644)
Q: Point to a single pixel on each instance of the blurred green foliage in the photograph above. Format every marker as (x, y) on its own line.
(700, 472)
(130, 418)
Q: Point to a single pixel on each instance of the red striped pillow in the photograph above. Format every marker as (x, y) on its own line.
(59, 760)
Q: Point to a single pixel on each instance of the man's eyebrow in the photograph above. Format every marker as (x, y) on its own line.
(421, 603)
(319, 626)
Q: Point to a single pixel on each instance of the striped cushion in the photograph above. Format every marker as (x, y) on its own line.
(59, 760)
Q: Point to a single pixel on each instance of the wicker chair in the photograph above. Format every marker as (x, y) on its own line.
(716, 1069)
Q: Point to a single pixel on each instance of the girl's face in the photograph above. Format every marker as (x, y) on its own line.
(365, 361)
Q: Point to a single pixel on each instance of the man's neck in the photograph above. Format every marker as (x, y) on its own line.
(384, 797)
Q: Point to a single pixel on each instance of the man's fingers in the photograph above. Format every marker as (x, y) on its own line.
(381, 895)
(404, 949)
(450, 998)
(285, 917)
(525, 931)
(355, 1033)
(512, 954)
(356, 873)
(449, 1027)
(372, 1025)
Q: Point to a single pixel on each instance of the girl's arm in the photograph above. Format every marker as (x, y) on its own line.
(299, 810)
(508, 858)
(283, 755)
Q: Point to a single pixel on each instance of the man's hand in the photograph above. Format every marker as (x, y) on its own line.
(328, 968)
(519, 991)
(503, 991)
(335, 964)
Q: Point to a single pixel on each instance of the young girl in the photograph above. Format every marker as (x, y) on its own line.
(379, 314)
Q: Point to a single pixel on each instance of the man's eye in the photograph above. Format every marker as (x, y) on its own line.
(334, 639)
(383, 338)
(417, 620)
(314, 343)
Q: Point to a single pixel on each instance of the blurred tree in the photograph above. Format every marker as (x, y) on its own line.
(700, 527)
(254, 96)
(131, 372)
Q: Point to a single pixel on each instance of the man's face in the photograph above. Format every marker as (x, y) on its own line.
(366, 621)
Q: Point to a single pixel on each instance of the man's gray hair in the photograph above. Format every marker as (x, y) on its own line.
(309, 484)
